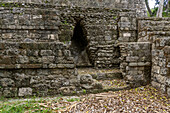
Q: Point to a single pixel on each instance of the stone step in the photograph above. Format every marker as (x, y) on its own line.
(101, 74)
(107, 79)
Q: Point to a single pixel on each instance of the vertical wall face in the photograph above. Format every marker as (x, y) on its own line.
(151, 28)
(161, 64)
(157, 31)
(100, 27)
(50, 23)
(17, 24)
(137, 5)
(55, 20)
(136, 62)
(93, 29)
(26, 30)
(127, 27)
(28, 69)
(139, 57)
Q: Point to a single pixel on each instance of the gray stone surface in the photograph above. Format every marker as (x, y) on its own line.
(135, 64)
(24, 92)
(168, 91)
(160, 57)
(37, 57)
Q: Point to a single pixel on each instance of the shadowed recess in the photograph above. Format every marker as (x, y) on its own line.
(79, 45)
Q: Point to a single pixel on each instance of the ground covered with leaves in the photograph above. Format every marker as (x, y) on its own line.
(139, 100)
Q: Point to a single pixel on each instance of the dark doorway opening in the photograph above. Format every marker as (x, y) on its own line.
(79, 45)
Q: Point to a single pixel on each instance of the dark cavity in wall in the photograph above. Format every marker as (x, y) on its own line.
(116, 56)
(79, 45)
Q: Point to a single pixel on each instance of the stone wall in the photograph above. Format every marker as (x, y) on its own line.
(31, 32)
(138, 5)
(100, 26)
(35, 69)
(157, 31)
(145, 58)
(35, 55)
(151, 28)
(136, 62)
(127, 27)
(33, 61)
(55, 20)
(161, 64)
(20, 23)
(28, 69)
(48, 23)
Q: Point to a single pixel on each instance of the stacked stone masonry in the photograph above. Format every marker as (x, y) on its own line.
(40, 68)
(50, 23)
(30, 68)
(136, 62)
(38, 56)
(150, 29)
(149, 55)
(157, 32)
(15, 55)
(161, 64)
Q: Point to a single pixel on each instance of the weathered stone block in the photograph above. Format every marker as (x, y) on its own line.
(67, 90)
(167, 81)
(101, 76)
(25, 92)
(46, 52)
(156, 85)
(48, 59)
(10, 92)
(168, 91)
(7, 82)
(41, 89)
(23, 59)
(22, 79)
(163, 88)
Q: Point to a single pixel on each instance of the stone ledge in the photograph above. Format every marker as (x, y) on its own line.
(138, 64)
(36, 55)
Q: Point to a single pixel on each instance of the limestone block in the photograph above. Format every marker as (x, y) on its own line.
(48, 59)
(163, 88)
(156, 84)
(163, 71)
(168, 91)
(25, 92)
(167, 81)
(101, 76)
(23, 59)
(10, 92)
(126, 34)
(52, 65)
(132, 58)
(37, 79)
(156, 69)
(46, 52)
(33, 53)
(35, 60)
(41, 88)
(7, 82)
(22, 79)
(67, 90)
(133, 64)
(4, 74)
(85, 79)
